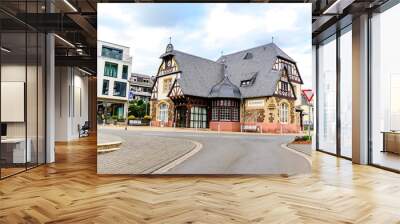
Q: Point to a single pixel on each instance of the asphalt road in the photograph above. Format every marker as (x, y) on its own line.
(233, 153)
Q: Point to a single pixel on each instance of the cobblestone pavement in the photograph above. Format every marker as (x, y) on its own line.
(224, 153)
(140, 154)
(107, 138)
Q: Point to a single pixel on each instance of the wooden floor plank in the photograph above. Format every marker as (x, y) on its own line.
(70, 191)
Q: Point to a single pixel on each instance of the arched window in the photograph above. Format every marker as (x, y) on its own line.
(163, 116)
(284, 113)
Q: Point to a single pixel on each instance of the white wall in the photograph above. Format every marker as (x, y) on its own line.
(100, 77)
(126, 60)
(34, 124)
(164, 95)
(71, 102)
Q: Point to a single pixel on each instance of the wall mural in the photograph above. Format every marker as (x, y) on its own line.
(254, 115)
(271, 117)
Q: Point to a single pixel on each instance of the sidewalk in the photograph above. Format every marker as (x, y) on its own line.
(141, 154)
(191, 130)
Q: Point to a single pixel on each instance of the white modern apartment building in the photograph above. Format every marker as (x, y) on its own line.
(113, 70)
(140, 86)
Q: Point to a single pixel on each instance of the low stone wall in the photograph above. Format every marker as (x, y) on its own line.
(275, 128)
(225, 126)
(160, 124)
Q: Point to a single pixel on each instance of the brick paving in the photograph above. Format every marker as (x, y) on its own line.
(103, 138)
(140, 154)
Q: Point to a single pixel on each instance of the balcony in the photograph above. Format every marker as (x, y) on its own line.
(284, 93)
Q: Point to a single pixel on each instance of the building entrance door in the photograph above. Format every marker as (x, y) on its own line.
(181, 114)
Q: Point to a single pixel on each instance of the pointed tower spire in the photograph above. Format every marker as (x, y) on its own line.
(170, 47)
(224, 65)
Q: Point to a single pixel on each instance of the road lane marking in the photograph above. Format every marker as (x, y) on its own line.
(176, 162)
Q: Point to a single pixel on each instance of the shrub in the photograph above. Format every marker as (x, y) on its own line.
(114, 117)
(138, 108)
(303, 138)
(131, 117)
(147, 117)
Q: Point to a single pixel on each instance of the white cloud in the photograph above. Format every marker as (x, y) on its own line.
(222, 26)
(227, 27)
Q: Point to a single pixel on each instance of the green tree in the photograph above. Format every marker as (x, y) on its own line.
(138, 108)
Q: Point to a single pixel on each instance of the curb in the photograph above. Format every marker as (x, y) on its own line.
(108, 150)
(174, 163)
(109, 143)
(193, 130)
(308, 158)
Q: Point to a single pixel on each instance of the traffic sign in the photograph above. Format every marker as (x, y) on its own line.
(308, 93)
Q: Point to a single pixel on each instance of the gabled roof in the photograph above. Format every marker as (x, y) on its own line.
(262, 61)
(199, 75)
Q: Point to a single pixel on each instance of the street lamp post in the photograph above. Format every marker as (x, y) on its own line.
(126, 117)
(309, 120)
(309, 96)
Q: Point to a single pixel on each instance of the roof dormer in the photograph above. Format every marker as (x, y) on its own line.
(248, 56)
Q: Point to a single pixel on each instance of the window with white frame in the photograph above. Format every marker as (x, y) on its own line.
(198, 117)
(284, 113)
(214, 114)
(163, 116)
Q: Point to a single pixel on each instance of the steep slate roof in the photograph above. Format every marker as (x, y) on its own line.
(225, 89)
(200, 75)
(262, 62)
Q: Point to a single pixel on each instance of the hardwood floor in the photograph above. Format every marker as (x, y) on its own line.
(70, 191)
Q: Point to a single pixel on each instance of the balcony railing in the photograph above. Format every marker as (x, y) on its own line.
(284, 93)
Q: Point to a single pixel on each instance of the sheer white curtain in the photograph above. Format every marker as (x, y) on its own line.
(327, 96)
(346, 93)
(385, 78)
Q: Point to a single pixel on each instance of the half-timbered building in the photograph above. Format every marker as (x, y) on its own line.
(255, 88)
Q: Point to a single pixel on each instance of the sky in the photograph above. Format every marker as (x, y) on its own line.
(206, 30)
